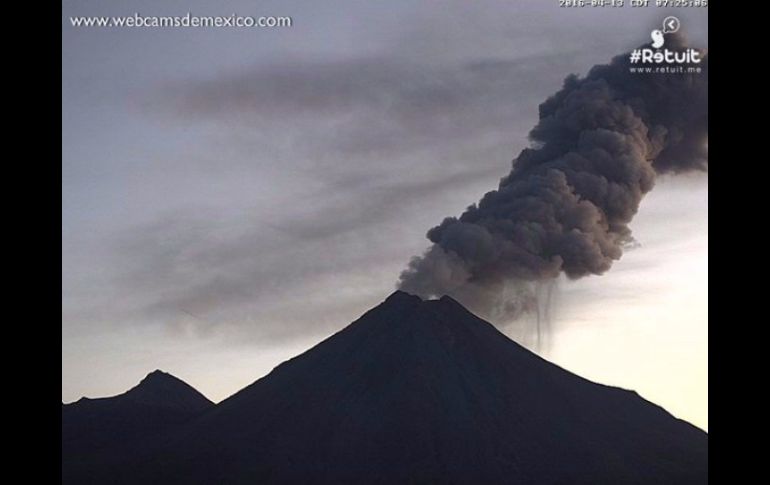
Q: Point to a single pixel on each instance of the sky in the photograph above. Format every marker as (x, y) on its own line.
(230, 197)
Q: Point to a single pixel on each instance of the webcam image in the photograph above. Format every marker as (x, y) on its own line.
(404, 242)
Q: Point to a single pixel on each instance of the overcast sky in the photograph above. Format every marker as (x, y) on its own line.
(232, 196)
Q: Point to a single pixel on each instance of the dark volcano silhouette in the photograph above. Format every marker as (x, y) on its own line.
(421, 392)
(100, 429)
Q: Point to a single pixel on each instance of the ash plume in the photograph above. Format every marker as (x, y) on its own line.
(566, 205)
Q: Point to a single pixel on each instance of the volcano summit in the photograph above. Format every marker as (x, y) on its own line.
(419, 391)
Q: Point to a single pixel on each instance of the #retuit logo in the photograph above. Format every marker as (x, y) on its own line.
(656, 54)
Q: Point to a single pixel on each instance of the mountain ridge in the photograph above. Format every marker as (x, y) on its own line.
(423, 391)
(156, 381)
(97, 429)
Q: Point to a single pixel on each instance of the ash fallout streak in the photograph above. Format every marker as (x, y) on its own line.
(566, 205)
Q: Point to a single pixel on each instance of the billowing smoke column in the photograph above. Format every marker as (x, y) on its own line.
(565, 206)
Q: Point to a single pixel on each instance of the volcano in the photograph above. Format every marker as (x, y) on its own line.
(107, 428)
(419, 391)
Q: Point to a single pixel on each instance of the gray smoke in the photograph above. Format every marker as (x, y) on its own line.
(566, 204)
